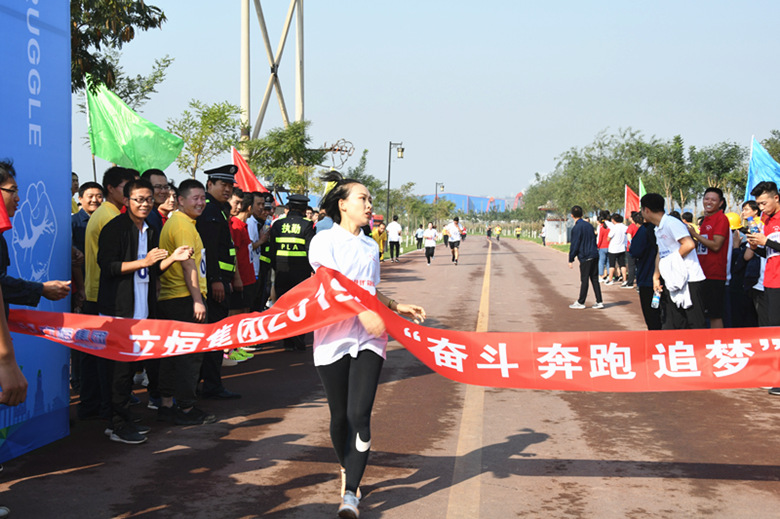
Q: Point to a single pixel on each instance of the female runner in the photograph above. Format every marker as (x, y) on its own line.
(349, 355)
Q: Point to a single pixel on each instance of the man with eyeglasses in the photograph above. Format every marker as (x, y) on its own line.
(160, 194)
(161, 190)
(130, 262)
(96, 371)
(21, 291)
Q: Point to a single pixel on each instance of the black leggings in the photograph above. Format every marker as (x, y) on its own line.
(395, 249)
(350, 386)
(429, 253)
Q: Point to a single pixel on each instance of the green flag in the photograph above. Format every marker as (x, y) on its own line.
(642, 191)
(119, 135)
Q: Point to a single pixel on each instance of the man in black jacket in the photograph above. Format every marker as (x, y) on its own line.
(583, 247)
(130, 262)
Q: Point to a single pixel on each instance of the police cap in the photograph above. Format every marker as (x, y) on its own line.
(226, 173)
(298, 200)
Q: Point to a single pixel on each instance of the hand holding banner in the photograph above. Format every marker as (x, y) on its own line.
(670, 360)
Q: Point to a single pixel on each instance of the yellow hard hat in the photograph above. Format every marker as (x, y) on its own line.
(735, 221)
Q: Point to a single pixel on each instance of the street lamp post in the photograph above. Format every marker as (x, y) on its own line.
(398, 145)
(439, 186)
(436, 191)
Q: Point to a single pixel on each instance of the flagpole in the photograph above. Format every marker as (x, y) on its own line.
(750, 159)
(89, 134)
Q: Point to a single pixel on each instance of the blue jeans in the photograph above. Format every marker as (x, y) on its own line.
(602, 261)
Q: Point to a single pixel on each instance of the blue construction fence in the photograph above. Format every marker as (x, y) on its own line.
(468, 203)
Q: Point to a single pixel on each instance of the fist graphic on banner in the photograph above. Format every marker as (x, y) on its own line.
(34, 233)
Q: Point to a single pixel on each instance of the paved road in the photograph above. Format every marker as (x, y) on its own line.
(439, 449)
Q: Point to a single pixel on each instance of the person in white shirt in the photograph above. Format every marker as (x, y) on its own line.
(349, 355)
(394, 239)
(419, 235)
(430, 235)
(453, 230)
(673, 238)
(617, 249)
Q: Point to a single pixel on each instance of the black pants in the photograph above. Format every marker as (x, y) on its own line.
(693, 317)
(652, 315)
(211, 369)
(263, 291)
(350, 386)
(96, 375)
(122, 386)
(772, 298)
(285, 281)
(419, 243)
(429, 253)
(759, 303)
(395, 249)
(589, 272)
(179, 375)
(631, 267)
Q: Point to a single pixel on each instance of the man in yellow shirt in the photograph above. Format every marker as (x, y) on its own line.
(380, 236)
(182, 297)
(96, 371)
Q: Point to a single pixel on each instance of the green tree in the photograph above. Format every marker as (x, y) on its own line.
(373, 184)
(285, 157)
(772, 144)
(722, 165)
(207, 130)
(136, 91)
(100, 25)
(665, 163)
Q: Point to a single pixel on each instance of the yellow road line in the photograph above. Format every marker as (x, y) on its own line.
(465, 489)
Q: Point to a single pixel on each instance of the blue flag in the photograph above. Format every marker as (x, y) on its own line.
(762, 167)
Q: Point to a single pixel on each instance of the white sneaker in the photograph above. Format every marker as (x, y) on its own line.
(577, 305)
(141, 379)
(599, 306)
(349, 506)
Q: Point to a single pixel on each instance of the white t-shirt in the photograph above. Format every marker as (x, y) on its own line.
(667, 234)
(141, 278)
(356, 257)
(393, 231)
(453, 230)
(430, 235)
(253, 227)
(617, 238)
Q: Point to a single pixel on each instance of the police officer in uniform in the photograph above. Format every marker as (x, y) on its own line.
(290, 238)
(221, 273)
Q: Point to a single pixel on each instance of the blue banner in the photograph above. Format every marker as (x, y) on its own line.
(762, 168)
(36, 134)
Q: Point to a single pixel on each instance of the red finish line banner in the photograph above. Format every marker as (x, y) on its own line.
(673, 360)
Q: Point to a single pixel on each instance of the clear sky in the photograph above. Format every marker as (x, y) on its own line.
(482, 94)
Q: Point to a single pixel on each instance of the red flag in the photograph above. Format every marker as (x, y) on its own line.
(245, 179)
(5, 222)
(632, 202)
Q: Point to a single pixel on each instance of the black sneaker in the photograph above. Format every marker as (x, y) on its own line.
(195, 416)
(166, 414)
(774, 391)
(125, 433)
(140, 429)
